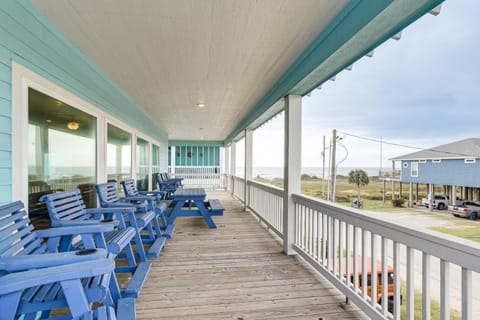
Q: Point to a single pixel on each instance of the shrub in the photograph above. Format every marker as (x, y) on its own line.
(398, 202)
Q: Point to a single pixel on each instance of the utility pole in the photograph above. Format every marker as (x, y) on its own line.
(380, 174)
(323, 169)
(333, 175)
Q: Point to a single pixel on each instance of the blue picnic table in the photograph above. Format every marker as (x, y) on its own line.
(191, 202)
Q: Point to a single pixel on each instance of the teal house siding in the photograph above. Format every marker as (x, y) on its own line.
(194, 153)
(27, 38)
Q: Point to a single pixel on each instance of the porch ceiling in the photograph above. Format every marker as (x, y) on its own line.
(235, 56)
(170, 55)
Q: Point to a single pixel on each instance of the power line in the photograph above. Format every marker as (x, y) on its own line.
(407, 146)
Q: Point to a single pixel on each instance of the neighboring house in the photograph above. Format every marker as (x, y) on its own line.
(452, 164)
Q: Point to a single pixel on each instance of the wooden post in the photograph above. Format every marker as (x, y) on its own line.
(410, 195)
(233, 164)
(227, 168)
(248, 166)
(292, 167)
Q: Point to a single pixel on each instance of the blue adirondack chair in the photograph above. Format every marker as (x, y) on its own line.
(177, 182)
(154, 202)
(165, 186)
(68, 209)
(141, 219)
(38, 276)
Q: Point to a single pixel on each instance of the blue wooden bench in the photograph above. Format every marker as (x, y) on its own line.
(141, 219)
(37, 276)
(215, 207)
(154, 202)
(68, 209)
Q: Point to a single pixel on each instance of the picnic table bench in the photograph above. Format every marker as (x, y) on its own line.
(191, 202)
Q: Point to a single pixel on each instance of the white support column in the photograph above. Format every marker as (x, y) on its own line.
(292, 167)
(430, 196)
(410, 195)
(453, 196)
(248, 165)
(227, 168)
(233, 163)
(173, 157)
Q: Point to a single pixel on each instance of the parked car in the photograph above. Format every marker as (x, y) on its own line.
(439, 202)
(470, 210)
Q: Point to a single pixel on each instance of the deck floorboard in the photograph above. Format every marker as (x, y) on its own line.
(237, 271)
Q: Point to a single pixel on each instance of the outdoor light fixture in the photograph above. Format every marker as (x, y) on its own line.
(201, 105)
(72, 125)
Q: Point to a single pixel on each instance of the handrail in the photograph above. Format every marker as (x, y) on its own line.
(266, 187)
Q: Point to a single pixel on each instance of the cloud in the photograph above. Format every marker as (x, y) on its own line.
(419, 91)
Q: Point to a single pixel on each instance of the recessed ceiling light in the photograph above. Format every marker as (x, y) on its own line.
(48, 121)
(201, 105)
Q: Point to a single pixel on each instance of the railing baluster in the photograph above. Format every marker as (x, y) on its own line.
(384, 276)
(444, 290)
(364, 264)
(329, 242)
(410, 300)
(466, 294)
(355, 259)
(334, 245)
(426, 305)
(311, 235)
(324, 238)
(396, 280)
(347, 254)
(340, 249)
(374, 276)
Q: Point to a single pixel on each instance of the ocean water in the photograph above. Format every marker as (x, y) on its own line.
(277, 172)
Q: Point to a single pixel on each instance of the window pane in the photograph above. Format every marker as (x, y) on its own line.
(155, 164)
(61, 151)
(142, 164)
(119, 162)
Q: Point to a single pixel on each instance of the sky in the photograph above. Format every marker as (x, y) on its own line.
(421, 91)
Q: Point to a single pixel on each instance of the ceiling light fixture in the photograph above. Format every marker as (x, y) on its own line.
(72, 125)
(201, 105)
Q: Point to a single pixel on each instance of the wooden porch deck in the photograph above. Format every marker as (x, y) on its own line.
(237, 271)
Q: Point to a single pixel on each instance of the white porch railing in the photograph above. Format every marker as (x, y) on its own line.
(238, 187)
(193, 176)
(340, 241)
(267, 203)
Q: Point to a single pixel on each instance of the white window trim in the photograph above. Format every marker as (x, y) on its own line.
(470, 160)
(412, 166)
(422, 161)
(23, 79)
(436, 160)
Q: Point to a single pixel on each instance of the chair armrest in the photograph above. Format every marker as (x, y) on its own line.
(18, 281)
(152, 193)
(137, 206)
(110, 210)
(25, 262)
(75, 230)
(73, 223)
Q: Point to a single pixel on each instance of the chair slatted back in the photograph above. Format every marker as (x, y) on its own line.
(16, 236)
(107, 193)
(129, 187)
(66, 205)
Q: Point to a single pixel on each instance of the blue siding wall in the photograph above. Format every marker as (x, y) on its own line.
(29, 39)
(447, 172)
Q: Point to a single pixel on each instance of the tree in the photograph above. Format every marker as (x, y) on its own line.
(359, 178)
